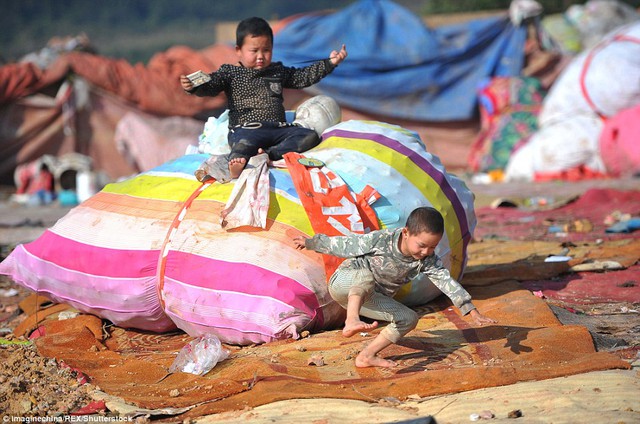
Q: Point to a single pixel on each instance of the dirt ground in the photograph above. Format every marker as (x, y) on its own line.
(30, 384)
(33, 386)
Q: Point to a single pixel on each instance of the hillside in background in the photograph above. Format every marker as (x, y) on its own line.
(136, 29)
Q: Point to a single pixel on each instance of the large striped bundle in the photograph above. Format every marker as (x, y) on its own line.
(150, 253)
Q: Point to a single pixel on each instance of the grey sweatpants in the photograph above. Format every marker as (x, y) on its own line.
(376, 305)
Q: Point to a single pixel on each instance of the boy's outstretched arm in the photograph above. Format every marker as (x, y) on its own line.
(338, 56)
(480, 319)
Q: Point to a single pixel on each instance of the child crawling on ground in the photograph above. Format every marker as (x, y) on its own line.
(254, 88)
(378, 264)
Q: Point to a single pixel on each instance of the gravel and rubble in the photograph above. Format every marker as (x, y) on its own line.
(31, 385)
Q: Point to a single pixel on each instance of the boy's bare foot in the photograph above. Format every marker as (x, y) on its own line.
(236, 165)
(364, 361)
(351, 328)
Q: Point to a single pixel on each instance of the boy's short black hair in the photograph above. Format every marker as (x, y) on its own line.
(253, 26)
(425, 219)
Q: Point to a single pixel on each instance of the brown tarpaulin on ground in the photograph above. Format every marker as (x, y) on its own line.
(444, 354)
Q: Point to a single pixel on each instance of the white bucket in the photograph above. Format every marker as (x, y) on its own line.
(318, 113)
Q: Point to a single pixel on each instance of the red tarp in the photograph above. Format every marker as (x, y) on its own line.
(578, 288)
(594, 206)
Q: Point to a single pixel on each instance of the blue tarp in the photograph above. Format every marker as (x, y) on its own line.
(399, 67)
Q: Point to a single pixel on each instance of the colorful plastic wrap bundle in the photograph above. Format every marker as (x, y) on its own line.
(150, 252)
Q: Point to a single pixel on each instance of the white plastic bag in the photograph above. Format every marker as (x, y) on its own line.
(214, 137)
(199, 356)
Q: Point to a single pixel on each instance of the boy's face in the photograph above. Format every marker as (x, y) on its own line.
(255, 52)
(420, 245)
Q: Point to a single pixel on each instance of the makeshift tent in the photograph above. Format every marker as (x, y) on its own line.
(399, 67)
(151, 252)
(126, 118)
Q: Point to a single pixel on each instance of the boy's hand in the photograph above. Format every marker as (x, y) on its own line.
(186, 83)
(338, 56)
(480, 319)
(299, 242)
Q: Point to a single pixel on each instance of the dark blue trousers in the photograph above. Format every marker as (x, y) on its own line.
(274, 138)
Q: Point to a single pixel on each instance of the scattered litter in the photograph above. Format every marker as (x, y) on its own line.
(14, 342)
(554, 229)
(8, 292)
(484, 415)
(501, 202)
(67, 315)
(481, 178)
(616, 216)
(317, 360)
(558, 258)
(364, 334)
(597, 266)
(626, 226)
(516, 413)
(390, 400)
(199, 356)
(538, 201)
(131, 413)
(626, 310)
(579, 226)
(538, 293)
(487, 415)
(525, 219)
(94, 407)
